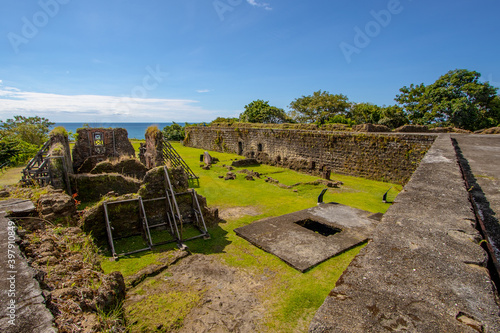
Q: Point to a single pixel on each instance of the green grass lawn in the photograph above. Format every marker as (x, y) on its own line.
(291, 297)
(10, 176)
(136, 144)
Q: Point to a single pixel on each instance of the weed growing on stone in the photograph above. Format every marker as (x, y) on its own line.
(111, 321)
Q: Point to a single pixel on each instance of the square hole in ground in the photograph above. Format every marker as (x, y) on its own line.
(319, 228)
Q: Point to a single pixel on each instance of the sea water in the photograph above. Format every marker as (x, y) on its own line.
(135, 130)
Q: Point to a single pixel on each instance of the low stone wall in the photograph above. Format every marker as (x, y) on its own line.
(91, 187)
(424, 270)
(385, 157)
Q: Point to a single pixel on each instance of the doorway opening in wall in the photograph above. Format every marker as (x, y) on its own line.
(259, 147)
(240, 148)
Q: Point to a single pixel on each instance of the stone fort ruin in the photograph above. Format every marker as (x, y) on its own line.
(425, 268)
(133, 197)
(430, 264)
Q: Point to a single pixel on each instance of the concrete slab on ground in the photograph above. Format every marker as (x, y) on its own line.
(17, 206)
(301, 239)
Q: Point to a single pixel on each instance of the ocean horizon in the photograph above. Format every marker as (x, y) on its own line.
(135, 130)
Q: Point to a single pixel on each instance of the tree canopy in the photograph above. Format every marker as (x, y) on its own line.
(21, 137)
(32, 130)
(220, 120)
(319, 107)
(260, 111)
(456, 99)
(174, 132)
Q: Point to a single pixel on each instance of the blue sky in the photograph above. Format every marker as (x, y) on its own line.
(194, 60)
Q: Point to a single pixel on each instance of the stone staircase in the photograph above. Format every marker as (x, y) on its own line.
(172, 156)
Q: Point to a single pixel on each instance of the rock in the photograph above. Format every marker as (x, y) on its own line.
(207, 159)
(4, 194)
(271, 180)
(221, 177)
(248, 177)
(90, 323)
(250, 173)
(111, 292)
(229, 168)
(64, 293)
(211, 216)
(18, 207)
(230, 176)
(31, 224)
(206, 167)
(245, 162)
(54, 206)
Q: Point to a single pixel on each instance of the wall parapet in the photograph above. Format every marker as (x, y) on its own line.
(391, 157)
(424, 269)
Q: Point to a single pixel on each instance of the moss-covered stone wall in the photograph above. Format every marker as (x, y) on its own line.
(379, 156)
(94, 145)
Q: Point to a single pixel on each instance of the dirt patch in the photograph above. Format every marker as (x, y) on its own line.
(237, 212)
(200, 294)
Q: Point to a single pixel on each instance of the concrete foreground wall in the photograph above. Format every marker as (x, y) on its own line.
(22, 304)
(423, 271)
(385, 157)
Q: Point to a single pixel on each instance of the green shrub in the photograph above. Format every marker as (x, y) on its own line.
(174, 132)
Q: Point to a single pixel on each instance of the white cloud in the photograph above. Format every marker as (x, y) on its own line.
(201, 91)
(254, 3)
(97, 108)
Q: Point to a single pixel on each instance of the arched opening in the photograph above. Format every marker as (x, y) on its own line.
(240, 148)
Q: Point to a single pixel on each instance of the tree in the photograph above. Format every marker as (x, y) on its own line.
(456, 99)
(365, 113)
(260, 111)
(32, 130)
(319, 107)
(219, 120)
(174, 132)
(7, 151)
(393, 116)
